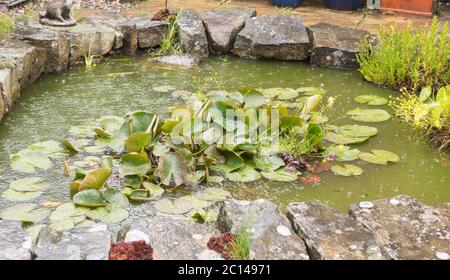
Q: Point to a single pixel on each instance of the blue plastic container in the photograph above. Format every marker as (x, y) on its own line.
(344, 5)
(287, 3)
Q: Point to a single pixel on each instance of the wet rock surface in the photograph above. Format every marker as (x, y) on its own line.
(86, 243)
(171, 238)
(332, 235)
(222, 26)
(272, 236)
(275, 37)
(186, 60)
(406, 228)
(193, 37)
(335, 46)
(149, 33)
(15, 244)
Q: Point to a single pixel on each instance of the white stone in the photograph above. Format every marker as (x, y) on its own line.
(366, 204)
(443, 255)
(283, 230)
(136, 235)
(197, 236)
(394, 201)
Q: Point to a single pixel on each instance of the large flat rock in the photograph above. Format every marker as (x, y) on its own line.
(192, 32)
(171, 238)
(15, 244)
(86, 243)
(222, 26)
(150, 33)
(9, 86)
(332, 235)
(406, 228)
(272, 236)
(275, 37)
(335, 46)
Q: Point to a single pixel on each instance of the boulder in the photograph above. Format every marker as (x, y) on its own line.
(55, 46)
(222, 26)
(171, 238)
(275, 37)
(9, 86)
(186, 60)
(272, 237)
(192, 32)
(15, 244)
(335, 46)
(332, 235)
(406, 228)
(149, 33)
(28, 61)
(126, 36)
(85, 243)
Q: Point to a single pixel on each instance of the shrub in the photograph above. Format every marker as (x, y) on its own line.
(408, 58)
(170, 42)
(6, 24)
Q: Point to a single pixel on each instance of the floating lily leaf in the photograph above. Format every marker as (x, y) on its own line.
(279, 175)
(213, 194)
(106, 162)
(115, 197)
(288, 93)
(379, 157)
(312, 90)
(89, 198)
(95, 179)
(171, 169)
(161, 149)
(233, 162)
(343, 153)
(215, 179)
(268, 163)
(93, 149)
(27, 161)
(106, 214)
(343, 140)
(195, 201)
(66, 211)
(253, 98)
(346, 170)
(61, 225)
(25, 212)
(137, 141)
(31, 184)
(140, 120)
(355, 131)
(271, 93)
(135, 164)
(371, 100)
(132, 181)
(83, 130)
(164, 89)
(369, 115)
(178, 207)
(244, 174)
(110, 124)
(50, 148)
(13, 195)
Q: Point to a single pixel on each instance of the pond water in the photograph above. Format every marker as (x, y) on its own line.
(48, 108)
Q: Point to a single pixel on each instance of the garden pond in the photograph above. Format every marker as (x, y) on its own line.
(55, 103)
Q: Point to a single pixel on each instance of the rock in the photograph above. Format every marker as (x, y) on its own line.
(332, 235)
(55, 46)
(335, 46)
(187, 60)
(275, 37)
(222, 26)
(9, 86)
(86, 243)
(149, 33)
(29, 61)
(406, 228)
(15, 244)
(173, 239)
(127, 37)
(192, 32)
(272, 238)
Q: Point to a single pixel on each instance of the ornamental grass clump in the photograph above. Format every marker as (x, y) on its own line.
(409, 58)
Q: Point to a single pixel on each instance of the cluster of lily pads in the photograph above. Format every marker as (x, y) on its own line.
(136, 158)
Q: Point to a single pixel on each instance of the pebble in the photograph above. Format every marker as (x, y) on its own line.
(283, 230)
(443, 256)
(366, 204)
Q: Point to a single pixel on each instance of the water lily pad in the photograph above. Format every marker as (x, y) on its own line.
(253, 99)
(279, 175)
(165, 88)
(215, 179)
(27, 161)
(343, 153)
(137, 141)
(115, 197)
(95, 179)
(346, 170)
(268, 163)
(371, 100)
(244, 174)
(379, 157)
(213, 194)
(312, 90)
(31, 184)
(110, 123)
(49, 148)
(178, 207)
(135, 164)
(355, 131)
(108, 214)
(89, 198)
(196, 202)
(369, 115)
(67, 211)
(287, 93)
(343, 140)
(171, 169)
(271, 93)
(233, 161)
(13, 195)
(25, 212)
(83, 130)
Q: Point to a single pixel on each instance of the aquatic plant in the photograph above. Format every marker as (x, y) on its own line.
(427, 112)
(170, 44)
(407, 58)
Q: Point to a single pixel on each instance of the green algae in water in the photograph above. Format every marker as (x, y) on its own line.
(56, 102)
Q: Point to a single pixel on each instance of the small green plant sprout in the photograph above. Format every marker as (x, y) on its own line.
(90, 59)
(170, 44)
(240, 247)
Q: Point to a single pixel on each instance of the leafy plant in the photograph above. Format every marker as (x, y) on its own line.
(170, 44)
(240, 246)
(407, 58)
(6, 24)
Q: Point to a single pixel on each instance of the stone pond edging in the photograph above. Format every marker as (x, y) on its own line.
(35, 49)
(395, 228)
